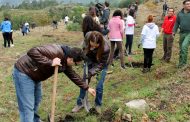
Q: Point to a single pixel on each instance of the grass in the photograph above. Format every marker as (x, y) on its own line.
(120, 87)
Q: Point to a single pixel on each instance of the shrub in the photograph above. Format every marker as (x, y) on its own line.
(73, 27)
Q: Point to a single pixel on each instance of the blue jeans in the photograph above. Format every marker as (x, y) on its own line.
(99, 90)
(29, 95)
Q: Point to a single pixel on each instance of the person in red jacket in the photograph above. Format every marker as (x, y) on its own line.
(168, 38)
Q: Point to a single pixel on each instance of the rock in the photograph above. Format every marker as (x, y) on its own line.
(160, 119)
(127, 117)
(3, 111)
(13, 103)
(119, 112)
(145, 118)
(140, 105)
(118, 115)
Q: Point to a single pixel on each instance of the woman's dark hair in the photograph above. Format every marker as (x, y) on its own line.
(89, 24)
(92, 11)
(96, 37)
(118, 13)
(107, 4)
(132, 12)
(6, 18)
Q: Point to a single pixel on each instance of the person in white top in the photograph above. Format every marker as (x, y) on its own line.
(66, 20)
(149, 34)
(129, 31)
(26, 24)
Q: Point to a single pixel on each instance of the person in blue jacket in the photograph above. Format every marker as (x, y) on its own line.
(6, 29)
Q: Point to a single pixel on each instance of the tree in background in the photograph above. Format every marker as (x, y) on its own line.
(37, 4)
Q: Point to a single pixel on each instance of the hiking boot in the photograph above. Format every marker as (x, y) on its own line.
(145, 70)
(77, 108)
(98, 109)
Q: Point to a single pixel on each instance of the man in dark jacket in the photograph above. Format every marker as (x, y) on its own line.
(182, 22)
(106, 13)
(38, 65)
(165, 8)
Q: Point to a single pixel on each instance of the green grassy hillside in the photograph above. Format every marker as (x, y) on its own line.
(166, 88)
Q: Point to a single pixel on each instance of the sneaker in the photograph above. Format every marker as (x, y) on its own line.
(77, 108)
(116, 57)
(126, 54)
(123, 67)
(12, 45)
(131, 53)
(112, 65)
(98, 109)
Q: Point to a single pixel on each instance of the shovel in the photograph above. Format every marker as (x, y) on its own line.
(51, 117)
(85, 101)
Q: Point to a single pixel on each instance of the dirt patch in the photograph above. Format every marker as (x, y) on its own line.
(160, 73)
(168, 97)
(135, 64)
(109, 114)
(93, 111)
(47, 35)
(68, 118)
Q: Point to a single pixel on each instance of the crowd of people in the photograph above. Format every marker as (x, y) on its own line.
(103, 37)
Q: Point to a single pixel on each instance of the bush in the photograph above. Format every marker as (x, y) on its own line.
(18, 17)
(77, 12)
(18, 20)
(124, 3)
(73, 27)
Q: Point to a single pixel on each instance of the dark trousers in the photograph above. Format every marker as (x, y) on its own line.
(11, 37)
(119, 45)
(6, 37)
(116, 53)
(129, 42)
(167, 46)
(148, 53)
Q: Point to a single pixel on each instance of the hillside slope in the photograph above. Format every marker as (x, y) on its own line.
(166, 89)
